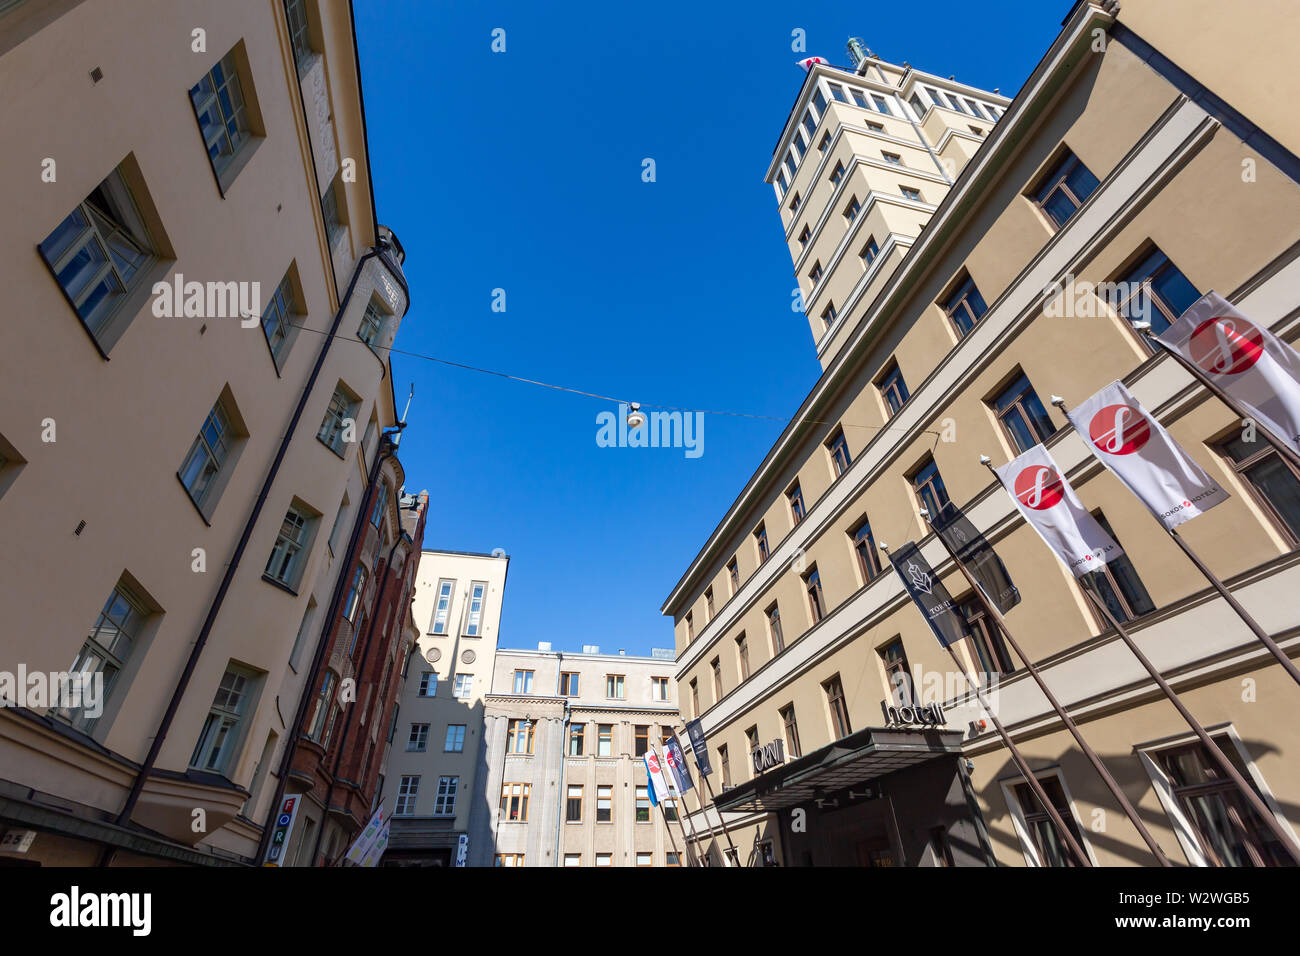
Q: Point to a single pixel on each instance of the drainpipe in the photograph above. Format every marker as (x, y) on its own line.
(182, 683)
(920, 135)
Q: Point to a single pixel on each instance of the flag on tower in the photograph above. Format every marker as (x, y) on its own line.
(807, 62)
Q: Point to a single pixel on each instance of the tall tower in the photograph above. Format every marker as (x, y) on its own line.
(866, 156)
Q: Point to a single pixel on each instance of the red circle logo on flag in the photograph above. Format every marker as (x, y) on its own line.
(653, 761)
(1039, 487)
(1226, 345)
(1119, 430)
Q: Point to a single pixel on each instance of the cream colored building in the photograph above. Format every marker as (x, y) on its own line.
(1151, 144)
(437, 742)
(565, 781)
(179, 476)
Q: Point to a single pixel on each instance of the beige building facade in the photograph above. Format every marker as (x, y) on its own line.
(187, 443)
(1143, 150)
(565, 781)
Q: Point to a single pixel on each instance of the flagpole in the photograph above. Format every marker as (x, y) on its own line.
(735, 854)
(665, 770)
(1287, 664)
(1070, 725)
(1283, 449)
(671, 838)
(1216, 752)
(1016, 756)
(683, 813)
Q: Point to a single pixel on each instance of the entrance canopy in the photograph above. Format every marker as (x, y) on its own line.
(852, 760)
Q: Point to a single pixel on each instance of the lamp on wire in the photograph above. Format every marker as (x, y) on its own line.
(635, 417)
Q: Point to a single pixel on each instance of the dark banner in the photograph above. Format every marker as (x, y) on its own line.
(698, 747)
(936, 604)
(974, 551)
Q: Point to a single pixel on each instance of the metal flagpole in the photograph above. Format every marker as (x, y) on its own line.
(1287, 664)
(1105, 774)
(1017, 757)
(665, 770)
(735, 854)
(671, 838)
(1216, 752)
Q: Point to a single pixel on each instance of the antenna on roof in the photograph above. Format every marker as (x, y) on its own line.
(858, 52)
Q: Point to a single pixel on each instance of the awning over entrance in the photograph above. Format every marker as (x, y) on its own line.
(855, 759)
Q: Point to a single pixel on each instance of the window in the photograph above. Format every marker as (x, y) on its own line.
(825, 144)
(98, 254)
(695, 697)
(614, 688)
(812, 584)
(519, 737)
(828, 315)
(454, 743)
(444, 802)
(577, 737)
(523, 682)
(751, 736)
(209, 452)
(804, 237)
(514, 801)
(1042, 830)
(285, 563)
(911, 193)
(815, 273)
(218, 100)
(475, 618)
(573, 859)
(860, 98)
(690, 629)
(791, 732)
(463, 686)
(795, 202)
(300, 640)
(918, 106)
(875, 127)
(839, 709)
(573, 804)
(869, 252)
(781, 182)
(509, 859)
(819, 102)
(220, 736)
(642, 811)
(1065, 187)
(964, 305)
(353, 600)
(407, 791)
(329, 209)
(640, 739)
(708, 601)
(892, 388)
(672, 859)
(774, 628)
(381, 503)
(724, 762)
(278, 319)
(670, 808)
(1272, 481)
(715, 668)
(837, 174)
(733, 569)
(428, 684)
(977, 131)
(340, 521)
(443, 607)
(837, 93)
(881, 104)
(810, 125)
(569, 684)
(1117, 582)
(839, 450)
(1156, 292)
(937, 97)
(760, 538)
(985, 638)
(604, 740)
(324, 703)
(929, 488)
(898, 675)
(864, 546)
(372, 324)
(742, 656)
(790, 164)
(795, 497)
(339, 425)
(604, 804)
(419, 739)
(659, 688)
(604, 859)
(296, 13)
(1022, 414)
(851, 210)
(892, 158)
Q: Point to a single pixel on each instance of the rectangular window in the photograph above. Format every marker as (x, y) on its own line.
(523, 682)
(454, 743)
(287, 557)
(428, 684)
(604, 740)
(839, 709)
(760, 538)
(642, 807)
(1042, 830)
(519, 736)
(898, 674)
(930, 489)
(509, 859)
(407, 790)
(1117, 582)
(986, 638)
(708, 601)
(659, 689)
(444, 802)
(837, 92)
(353, 600)
(340, 420)
(1272, 481)
(670, 809)
(514, 801)
(892, 158)
(690, 629)
(1155, 291)
(1064, 188)
(278, 319)
(825, 144)
(463, 686)
(828, 315)
(614, 686)
(300, 641)
(474, 621)
(815, 273)
(299, 38)
(804, 237)
(640, 740)
(573, 859)
(672, 859)
(604, 804)
(733, 570)
(875, 127)
(839, 451)
(911, 193)
(795, 497)
(715, 668)
(869, 252)
(937, 97)
(860, 98)
(892, 388)
(329, 209)
(569, 684)
(918, 106)
(695, 697)
(1022, 415)
(114, 634)
(98, 253)
(604, 859)
(809, 124)
(218, 100)
(443, 607)
(381, 503)
(372, 324)
(864, 546)
(573, 804)
(851, 210)
(964, 305)
(220, 736)
(881, 104)
(323, 707)
(774, 629)
(751, 736)
(812, 584)
(837, 174)
(206, 456)
(742, 656)
(819, 102)
(645, 859)
(577, 738)
(724, 762)
(791, 732)
(794, 203)
(419, 738)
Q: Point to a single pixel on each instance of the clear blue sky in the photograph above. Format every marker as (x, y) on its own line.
(522, 171)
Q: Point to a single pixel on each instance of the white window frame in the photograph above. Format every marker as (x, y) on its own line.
(1027, 844)
(221, 736)
(444, 801)
(442, 605)
(418, 740)
(408, 789)
(473, 615)
(343, 407)
(455, 735)
(463, 686)
(290, 548)
(428, 684)
(210, 99)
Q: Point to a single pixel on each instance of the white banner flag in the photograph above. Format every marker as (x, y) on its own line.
(1246, 360)
(654, 772)
(377, 848)
(1050, 505)
(366, 838)
(1145, 457)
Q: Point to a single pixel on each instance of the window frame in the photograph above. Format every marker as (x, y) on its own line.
(837, 707)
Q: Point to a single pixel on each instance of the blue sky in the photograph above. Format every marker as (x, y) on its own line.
(522, 171)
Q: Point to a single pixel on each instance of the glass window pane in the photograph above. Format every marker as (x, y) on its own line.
(1278, 484)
